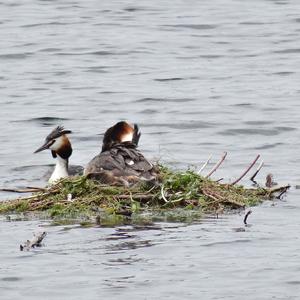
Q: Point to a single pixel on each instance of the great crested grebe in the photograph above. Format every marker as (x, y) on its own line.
(120, 161)
(61, 149)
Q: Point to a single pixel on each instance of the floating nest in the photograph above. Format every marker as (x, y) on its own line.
(183, 193)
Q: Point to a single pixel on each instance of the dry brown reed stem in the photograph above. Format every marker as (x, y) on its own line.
(217, 165)
(246, 171)
(26, 190)
(220, 199)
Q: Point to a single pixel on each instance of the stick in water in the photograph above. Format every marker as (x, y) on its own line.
(246, 217)
(35, 242)
(217, 165)
(256, 172)
(248, 169)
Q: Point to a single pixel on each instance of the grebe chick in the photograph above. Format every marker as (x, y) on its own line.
(120, 161)
(61, 149)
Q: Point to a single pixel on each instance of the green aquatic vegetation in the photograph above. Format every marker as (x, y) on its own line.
(177, 195)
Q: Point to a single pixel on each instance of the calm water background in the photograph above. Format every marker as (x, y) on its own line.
(200, 78)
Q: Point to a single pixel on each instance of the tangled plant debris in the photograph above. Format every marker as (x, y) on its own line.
(35, 242)
(83, 198)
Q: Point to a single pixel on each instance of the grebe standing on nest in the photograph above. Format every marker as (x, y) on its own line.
(120, 161)
(61, 149)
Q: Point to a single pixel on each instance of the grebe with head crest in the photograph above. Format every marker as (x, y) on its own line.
(61, 149)
(120, 161)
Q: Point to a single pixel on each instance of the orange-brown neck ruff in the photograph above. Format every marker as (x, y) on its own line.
(65, 150)
(119, 133)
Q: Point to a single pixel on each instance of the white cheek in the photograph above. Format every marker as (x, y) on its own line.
(127, 137)
(57, 144)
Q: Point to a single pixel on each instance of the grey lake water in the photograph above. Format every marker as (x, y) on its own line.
(200, 78)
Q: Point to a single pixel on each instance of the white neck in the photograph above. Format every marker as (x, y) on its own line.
(60, 170)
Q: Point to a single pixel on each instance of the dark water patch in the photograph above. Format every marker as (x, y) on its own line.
(50, 50)
(122, 262)
(109, 92)
(143, 227)
(31, 167)
(96, 70)
(293, 282)
(169, 79)
(100, 53)
(220, 78)
(268, 146)
(45, 121)
(183, 125)
(288, 51)
(256, 23)
(248, 55)
(11, 279)
(191, 26)
(227, 243)
(15, 55)
(258, 122)
(211, 56)
(136, 9)
(281, 2)
(159, 132)
(11, 4)
(215, 97)
(297, 20)
(167, 100)
(283, 41)
(108, 24)
(16, 96)
(119, 236)
(222, 43)
(131, 245)
(245, 104)
(37, 89)
(149, 111)
(249, 131)
(48, 24)
(283, 73)
(60, 73)
(80, 88)
(272, 108)
(96, 137)
(285, 128)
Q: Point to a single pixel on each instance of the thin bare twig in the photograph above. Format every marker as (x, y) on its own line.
(283, 192)
(217, 165)
(35, 188)
(280, 189)
(256, 172)
(247, 170)
(27, 190)
(205, 164)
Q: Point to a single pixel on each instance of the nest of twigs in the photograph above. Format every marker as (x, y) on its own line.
(188, 190)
